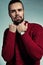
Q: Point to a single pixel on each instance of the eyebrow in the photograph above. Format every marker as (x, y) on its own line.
(17, 9)
(12, 10)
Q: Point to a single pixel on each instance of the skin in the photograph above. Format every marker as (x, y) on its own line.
(17, 14)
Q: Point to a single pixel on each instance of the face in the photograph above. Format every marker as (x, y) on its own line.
(16, 13)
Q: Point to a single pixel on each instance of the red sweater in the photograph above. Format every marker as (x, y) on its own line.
(26, 49)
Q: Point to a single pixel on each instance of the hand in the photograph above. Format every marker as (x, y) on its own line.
(22, 27)
(12, 28)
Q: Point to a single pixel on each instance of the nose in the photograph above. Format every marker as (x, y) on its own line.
(17, 12)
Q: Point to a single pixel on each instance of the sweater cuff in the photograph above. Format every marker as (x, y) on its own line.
(24, 34)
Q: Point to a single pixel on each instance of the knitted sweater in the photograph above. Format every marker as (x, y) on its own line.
(26, 49)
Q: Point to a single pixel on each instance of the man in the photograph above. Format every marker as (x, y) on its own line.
(23, 41)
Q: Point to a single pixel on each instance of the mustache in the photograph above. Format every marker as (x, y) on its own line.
(18, 16)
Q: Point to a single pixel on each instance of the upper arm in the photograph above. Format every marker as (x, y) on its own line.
(37, 35)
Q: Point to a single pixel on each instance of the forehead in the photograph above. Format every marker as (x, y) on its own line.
(16, 5)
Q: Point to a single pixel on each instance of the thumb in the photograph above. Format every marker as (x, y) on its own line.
(23, 22)
(26, 25)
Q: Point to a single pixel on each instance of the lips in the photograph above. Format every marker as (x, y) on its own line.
(17, 18)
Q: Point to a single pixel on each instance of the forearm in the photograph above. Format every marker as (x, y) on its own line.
(8, 47)
(32, 48)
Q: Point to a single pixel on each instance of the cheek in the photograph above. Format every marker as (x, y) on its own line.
(22, 14)
(12, 15)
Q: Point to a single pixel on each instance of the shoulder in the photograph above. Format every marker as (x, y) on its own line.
(35, 26)
(36, 29)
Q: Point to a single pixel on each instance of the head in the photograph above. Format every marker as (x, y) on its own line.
(16, 11)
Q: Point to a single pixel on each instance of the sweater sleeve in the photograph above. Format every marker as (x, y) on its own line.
(34, 46)
(8, 45)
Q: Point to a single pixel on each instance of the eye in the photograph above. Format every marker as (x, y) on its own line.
(19, 9)
(12, 11)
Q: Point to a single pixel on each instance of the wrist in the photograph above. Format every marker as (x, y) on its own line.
(13, 31)
(22, 33)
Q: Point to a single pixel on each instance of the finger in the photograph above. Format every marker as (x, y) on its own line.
(12, 24)
(23, 22)
(26, 25)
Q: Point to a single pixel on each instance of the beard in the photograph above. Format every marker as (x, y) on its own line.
(18, 21)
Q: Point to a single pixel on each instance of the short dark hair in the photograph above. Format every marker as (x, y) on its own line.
(14, 1)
